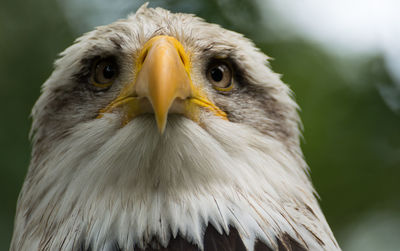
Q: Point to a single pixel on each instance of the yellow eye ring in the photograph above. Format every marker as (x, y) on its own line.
(220, 76)
(105, 71)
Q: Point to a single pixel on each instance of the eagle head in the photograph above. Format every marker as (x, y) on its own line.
(163, 131)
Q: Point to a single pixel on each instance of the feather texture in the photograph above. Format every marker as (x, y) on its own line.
(212, 184)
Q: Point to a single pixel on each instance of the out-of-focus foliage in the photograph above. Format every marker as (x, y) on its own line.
(31, 34)
(351, 137)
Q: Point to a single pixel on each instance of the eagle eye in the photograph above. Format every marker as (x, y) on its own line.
(220, 76)
(104, 73)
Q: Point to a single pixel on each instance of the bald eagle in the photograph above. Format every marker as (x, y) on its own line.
(164, 132)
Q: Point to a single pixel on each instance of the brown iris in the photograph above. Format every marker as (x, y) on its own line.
(105, 72)
(220, 76)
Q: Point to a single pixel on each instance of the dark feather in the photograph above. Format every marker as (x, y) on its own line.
(214, 241)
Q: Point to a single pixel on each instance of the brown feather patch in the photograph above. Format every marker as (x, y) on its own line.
(214, 241)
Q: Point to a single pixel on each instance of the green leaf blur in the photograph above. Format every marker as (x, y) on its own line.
(351, 137)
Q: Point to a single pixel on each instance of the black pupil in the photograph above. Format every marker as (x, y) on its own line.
(108, 71)
(217, 74)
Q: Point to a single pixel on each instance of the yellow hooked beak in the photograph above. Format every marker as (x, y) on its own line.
(163, 80)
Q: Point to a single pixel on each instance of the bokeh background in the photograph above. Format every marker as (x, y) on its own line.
(341, 58)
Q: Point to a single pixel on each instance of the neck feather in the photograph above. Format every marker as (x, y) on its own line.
(104, 183)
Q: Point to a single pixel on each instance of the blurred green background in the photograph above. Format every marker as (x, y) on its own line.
(340, 60)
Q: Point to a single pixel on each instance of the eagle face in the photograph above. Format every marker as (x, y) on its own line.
(162, 130)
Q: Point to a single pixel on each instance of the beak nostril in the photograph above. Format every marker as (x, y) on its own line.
(182, 58)
(144, 56)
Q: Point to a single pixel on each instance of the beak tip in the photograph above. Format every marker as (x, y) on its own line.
(161, 124)
(161, 130)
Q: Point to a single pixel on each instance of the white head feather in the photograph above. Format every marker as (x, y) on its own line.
(94, 182)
